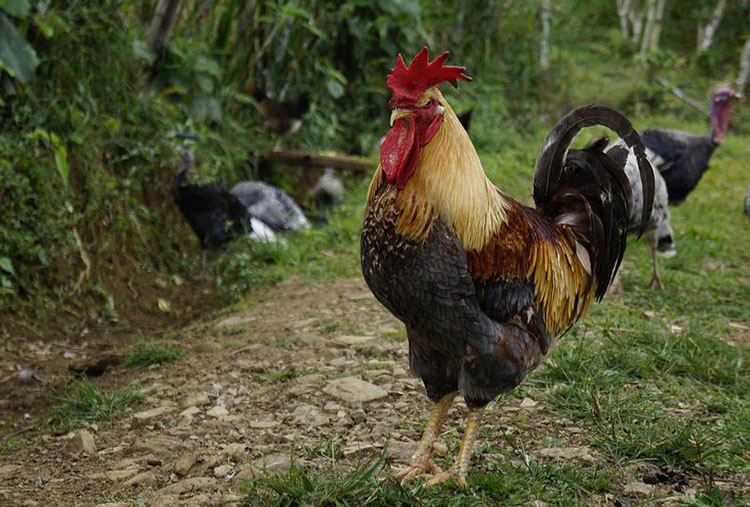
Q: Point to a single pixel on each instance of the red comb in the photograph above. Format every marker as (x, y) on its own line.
(408, 83)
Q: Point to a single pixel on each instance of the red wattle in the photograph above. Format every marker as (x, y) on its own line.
(399, 152)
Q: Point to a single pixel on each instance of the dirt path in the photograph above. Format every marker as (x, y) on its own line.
(301, 371)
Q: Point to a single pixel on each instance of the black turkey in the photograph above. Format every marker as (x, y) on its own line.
(215, 215)
(682, 158)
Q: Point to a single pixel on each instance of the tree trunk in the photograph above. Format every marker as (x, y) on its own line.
(648, 29)
(706, 34)
(652, 30)
(636, 21)
(167, 12)
(656, 29)
(546, 15)
(744, 67)
(623, 9)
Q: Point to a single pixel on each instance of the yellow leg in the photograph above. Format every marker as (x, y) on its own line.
(461, 467)
(421, 461)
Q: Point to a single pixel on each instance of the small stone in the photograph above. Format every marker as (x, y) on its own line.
(354, 390)
(279, 461)
(222, 471)
(185, 462)
(195, 399)
(190, 412)
(354, 341)
(581, 453)
(218, 412)
(358, 449)
(638, 488)
(400, 372)
(263, 425)
(150, 414)
(192, 485)
(309, 415)
(235, 451)
(82, 442)
(528, 403)
(143, 479)
(400, 450)
(8, 470)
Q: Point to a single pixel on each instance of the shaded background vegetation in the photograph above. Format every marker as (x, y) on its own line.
(87, 122)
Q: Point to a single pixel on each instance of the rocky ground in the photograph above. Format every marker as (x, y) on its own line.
(314, 374)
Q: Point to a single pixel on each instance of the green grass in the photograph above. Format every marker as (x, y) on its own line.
(277, 377)
(150, 353)
(86, 402)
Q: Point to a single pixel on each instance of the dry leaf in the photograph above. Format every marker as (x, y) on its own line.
(163, 305)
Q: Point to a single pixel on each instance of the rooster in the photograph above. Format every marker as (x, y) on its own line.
(484, 284)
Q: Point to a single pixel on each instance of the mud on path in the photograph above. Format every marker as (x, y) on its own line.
(299, 371)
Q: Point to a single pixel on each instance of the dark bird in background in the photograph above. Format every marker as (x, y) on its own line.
(682, 158)
(269, 208)
(215, 215)
(747, 201)
(658, 227)
(328, 191)
(280, 117)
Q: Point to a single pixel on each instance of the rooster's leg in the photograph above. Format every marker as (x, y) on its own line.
(421, 462)
(461, 467)
(655, 280)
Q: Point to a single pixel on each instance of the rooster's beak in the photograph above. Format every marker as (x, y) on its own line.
(397, 114)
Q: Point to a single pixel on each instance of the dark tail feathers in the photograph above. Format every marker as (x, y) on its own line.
(552, 157)
(588, 191)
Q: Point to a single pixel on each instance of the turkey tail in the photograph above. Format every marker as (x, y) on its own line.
(587, 190)
(552, 157)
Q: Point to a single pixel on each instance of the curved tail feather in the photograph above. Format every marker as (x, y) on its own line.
(587, 191)
(552, 157)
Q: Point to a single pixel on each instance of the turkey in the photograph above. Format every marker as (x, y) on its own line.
(270, 208)
(213, 213)
(328, 191)
(682, 158)
(747, 201)
(658, 228)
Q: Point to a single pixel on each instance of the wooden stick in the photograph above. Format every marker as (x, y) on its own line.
(682, 96)
(302, 158)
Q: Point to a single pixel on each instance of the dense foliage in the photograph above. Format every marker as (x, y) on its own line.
(86, 130)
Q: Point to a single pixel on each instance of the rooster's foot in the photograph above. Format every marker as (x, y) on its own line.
(417, 468)
(446, 476)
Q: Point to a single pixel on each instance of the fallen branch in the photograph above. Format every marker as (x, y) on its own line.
(682, 96)
(305, 159)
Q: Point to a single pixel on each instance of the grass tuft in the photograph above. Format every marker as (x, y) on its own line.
(149, 353)
(87, 402)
